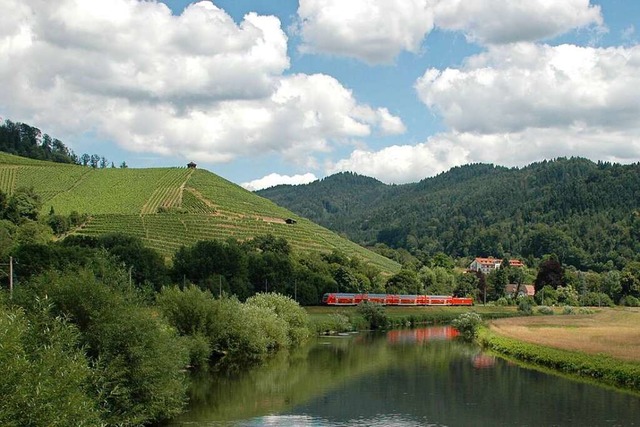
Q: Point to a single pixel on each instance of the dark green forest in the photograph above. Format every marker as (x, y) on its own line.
(21, 139)
(586, 213)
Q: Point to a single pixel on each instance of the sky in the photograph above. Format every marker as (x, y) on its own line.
(267, 92)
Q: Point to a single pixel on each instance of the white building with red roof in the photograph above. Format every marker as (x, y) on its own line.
(487, 265)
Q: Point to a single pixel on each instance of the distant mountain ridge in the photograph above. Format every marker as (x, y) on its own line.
(585, 212)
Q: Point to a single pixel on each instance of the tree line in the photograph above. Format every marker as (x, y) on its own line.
(585, 212)
(21, 139)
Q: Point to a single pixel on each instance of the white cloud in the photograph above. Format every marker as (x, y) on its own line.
(517, 104)
(197, 85)
(377, 31)
(274, 179)
(515, 87)
(508, 21)
(374, 31)
(403, 163)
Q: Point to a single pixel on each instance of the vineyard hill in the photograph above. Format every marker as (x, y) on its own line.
(169, 207)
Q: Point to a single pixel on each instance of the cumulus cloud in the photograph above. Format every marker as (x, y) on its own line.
(377, 31)
(197, 85)
(508, 21)
(403, 163)
(515, 87)
(274, 179)
(374, 31)
(517, 104)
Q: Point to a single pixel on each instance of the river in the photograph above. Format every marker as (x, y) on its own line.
(402, 378)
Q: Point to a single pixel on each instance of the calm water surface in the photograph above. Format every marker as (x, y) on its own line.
(402, 378)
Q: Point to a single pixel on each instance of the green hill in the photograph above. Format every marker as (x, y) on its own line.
(585, 212)
(169, 207)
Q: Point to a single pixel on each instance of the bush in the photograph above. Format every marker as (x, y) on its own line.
(630, 301)
(567, 309)
(597, 299)
(543, 309)
(45, 377)
(467, 324)
(374, 314)
(525, 306)
(137, 359)
(285, 308)
(502, 302)
(336, 322)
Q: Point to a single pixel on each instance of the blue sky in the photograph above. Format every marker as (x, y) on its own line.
(265, 92)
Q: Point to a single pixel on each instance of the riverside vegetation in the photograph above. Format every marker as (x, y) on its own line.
(102, 327)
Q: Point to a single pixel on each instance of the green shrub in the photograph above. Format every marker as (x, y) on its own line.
(45, 377)
(137, 359)
(525, 306)
(543, 309)
(285, 308)
(374, 314)
(567, 309)
(597, 299)
(630, 301)
(502, 302)
(335, 322)
(467, 324)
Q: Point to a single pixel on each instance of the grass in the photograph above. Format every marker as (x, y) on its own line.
(169, 207)
(603, 347)
(614, 332)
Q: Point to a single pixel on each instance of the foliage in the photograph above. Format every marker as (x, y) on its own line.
(24, 140)
(332, 323)
(467, 324)
(543, 309)
(597, 299)
(630, 301)
(603, 368)
(374, 314)
(136, 359)
(288, 310)
(234, 334)
(580, 210)
(525, 306)
(45, 376)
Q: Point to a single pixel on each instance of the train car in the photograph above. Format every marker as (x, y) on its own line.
(339, 298)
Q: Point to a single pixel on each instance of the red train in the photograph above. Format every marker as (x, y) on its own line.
(337, 298)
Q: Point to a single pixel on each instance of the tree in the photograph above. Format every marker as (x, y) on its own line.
(85, 159)
(404, 282)
(550, 272)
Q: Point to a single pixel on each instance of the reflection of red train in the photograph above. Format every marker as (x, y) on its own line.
(390, 299)
(420, 335)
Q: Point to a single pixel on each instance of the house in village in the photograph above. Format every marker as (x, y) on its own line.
(487, 265)
(514, 290)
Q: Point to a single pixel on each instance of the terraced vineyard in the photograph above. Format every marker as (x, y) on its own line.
(169, 207)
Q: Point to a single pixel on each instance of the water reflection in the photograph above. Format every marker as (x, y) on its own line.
(403, 378)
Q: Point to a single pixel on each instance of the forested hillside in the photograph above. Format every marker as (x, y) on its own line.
(587, 213)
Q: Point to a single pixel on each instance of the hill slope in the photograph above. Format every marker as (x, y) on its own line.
(169, 207)
(585, 212)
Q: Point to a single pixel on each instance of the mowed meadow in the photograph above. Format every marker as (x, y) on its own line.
(169, 207)
(610, 331)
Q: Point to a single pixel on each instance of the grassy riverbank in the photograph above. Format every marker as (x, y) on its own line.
(604, 346)
(324, 318)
